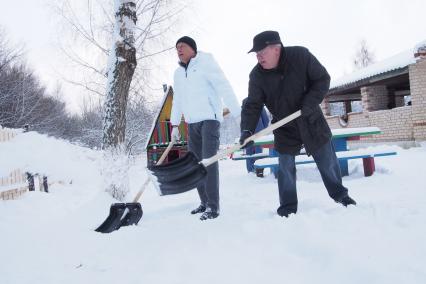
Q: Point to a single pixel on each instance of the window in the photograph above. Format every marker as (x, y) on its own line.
(356, 106)
(337, 108)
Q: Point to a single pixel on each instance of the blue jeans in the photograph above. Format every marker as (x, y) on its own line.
(328, 165)
(250, 162)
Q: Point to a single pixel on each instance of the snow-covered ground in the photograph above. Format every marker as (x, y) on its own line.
(50, 237)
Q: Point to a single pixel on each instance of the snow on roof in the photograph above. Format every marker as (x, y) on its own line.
(421, 46)
(395, 62)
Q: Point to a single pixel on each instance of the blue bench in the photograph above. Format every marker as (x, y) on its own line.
(238, 157)
(367, 157)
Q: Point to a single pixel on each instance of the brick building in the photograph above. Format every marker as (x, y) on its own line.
(390, 94)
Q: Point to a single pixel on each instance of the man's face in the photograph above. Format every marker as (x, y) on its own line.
(269, 56)
(184, 52)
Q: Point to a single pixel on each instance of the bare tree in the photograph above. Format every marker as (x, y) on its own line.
(21, 95)
(121, 67)
(364, 56)
(25, 101)
(8, 54)
(91, 30)
(91, 123)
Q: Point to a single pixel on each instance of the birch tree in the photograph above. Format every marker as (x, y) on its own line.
(87, 28)
(121, 67)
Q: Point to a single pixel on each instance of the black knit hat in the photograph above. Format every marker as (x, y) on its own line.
(264, 39)
(189, 41)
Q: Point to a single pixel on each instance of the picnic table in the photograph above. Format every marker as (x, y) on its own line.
(340, 138)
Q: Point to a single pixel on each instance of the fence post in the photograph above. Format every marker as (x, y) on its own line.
(45, 184)
(30, 179)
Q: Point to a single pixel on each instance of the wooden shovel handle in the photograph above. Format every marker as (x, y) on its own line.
(164, 155)
(236, 147)
(160, 161)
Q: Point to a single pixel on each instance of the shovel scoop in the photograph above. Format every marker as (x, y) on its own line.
(126, 214)
(187, 172)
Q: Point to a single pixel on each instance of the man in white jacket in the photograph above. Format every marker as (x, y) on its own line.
(200, 89)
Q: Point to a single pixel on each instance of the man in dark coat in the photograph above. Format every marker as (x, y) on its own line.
(287, 79)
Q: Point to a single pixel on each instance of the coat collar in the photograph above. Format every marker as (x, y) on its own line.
(193, 60)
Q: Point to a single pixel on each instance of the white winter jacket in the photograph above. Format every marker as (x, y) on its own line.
(201, 90)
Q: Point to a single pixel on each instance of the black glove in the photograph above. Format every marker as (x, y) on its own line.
(310, 114)
(244, 135)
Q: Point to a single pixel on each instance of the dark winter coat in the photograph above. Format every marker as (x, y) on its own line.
(299, 80)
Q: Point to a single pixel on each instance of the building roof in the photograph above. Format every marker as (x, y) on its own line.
(394, 63)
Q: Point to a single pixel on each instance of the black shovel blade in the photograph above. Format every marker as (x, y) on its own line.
(115, 219)
(112, 222)
(133, 215)
(176, 169)
(191, 179)
(184, 172)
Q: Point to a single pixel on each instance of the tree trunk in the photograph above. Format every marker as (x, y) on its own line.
(121, 66)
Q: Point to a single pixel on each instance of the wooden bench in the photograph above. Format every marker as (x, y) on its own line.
(367, 157)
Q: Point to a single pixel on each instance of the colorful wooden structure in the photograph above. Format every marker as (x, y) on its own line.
(160, 134)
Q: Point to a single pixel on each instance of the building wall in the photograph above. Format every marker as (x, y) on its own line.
(406, 123)
(325, 106)
(396, 124)
(374, 98)
(418, 98)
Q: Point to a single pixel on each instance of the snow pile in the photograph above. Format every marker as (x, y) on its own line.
(50, 237)
(44, 155)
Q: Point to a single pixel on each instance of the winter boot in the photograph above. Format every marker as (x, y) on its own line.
(199, 209)
(259, 173)
(345, 201)
(209, 214)
(284, 212)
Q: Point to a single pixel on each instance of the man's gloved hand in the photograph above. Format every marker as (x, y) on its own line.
(175, 134)
(309, 114)
(244, 135)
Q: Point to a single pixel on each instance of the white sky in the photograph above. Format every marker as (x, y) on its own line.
(331, 29)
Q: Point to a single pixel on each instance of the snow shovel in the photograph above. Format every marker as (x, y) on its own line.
(126, 214)
(187, 172)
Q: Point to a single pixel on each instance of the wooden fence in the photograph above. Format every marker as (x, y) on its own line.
(15, 183)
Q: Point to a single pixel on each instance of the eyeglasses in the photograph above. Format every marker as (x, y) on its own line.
(263, 51)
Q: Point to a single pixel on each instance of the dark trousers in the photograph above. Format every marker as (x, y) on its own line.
(328, 165)
(204, 142)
